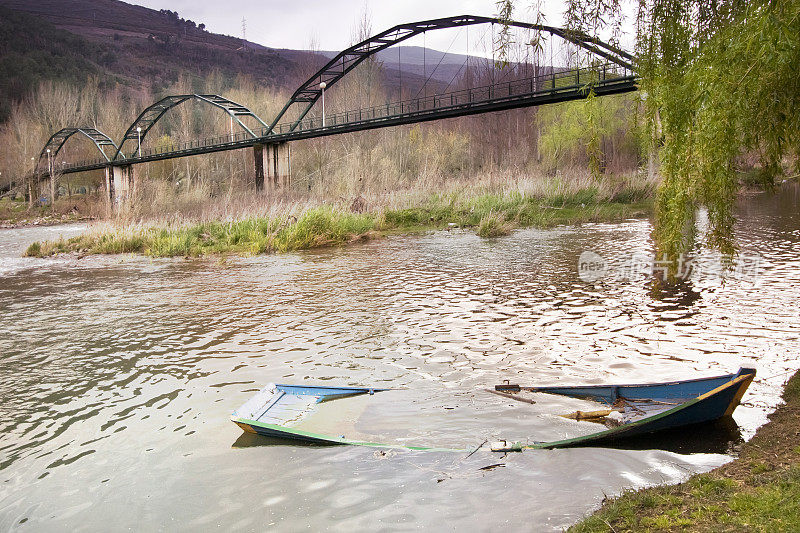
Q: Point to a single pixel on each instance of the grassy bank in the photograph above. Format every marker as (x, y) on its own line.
(759, 491)
(303, 226)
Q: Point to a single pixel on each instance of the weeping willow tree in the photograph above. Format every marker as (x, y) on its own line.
(719, 79)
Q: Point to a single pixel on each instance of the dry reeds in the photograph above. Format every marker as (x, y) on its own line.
(277, 221)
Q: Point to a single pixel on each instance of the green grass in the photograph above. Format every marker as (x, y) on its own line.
(492, 214)
(710, 504)
(323, 226)
(493, 225)
(759, 491)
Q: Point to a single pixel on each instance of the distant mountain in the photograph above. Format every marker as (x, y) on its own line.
(410, 66)
(424, 62)
(140, 47)
(134, 45)
(102, 20)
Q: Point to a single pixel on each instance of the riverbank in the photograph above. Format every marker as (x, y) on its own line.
(17, 214)
(55, 220)
(304, 225)
(759, 491)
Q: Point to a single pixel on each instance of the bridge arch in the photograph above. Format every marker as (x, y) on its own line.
(59, 138)
(151, 115)
(309, 92)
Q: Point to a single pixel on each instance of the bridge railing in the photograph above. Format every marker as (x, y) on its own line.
(98, 162)
(164, 149)
(186, 146)
(552, 82)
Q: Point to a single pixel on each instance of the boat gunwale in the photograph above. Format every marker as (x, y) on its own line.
(743, 371)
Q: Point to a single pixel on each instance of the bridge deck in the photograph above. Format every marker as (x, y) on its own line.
(552, 88)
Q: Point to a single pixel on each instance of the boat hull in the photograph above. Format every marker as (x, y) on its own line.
(278, 410)
(711, 405)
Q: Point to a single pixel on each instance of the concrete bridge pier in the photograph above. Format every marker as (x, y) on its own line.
(272, 165)
(258, 160)
(120, 183)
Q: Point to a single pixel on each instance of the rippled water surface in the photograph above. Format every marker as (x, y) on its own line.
(118, 374)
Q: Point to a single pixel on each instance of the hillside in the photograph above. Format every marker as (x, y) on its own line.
(99, 18)
(443, 67)
(118, 42)
(31, 51)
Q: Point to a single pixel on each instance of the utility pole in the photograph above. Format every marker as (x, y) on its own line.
(244, 33)
(322, 86)
(52, 181)
(30, 183)
(230, 154)
(66, 183)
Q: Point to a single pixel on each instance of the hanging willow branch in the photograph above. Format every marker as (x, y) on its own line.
(719, 80)
(503, 41)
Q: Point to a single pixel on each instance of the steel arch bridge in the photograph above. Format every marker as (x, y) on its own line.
(616, 76)
(350, 58)
(59, 138)
(148, 118)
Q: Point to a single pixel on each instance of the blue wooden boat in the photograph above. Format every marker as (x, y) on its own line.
(281, 410)
(630, 410)
(649, 408)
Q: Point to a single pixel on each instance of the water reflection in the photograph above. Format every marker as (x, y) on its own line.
(721, 436)
(251, 440)
(673, 300)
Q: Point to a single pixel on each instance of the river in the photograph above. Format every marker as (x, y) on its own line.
(118, 374)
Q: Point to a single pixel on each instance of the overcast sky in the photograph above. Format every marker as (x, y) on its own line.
(293, 24)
